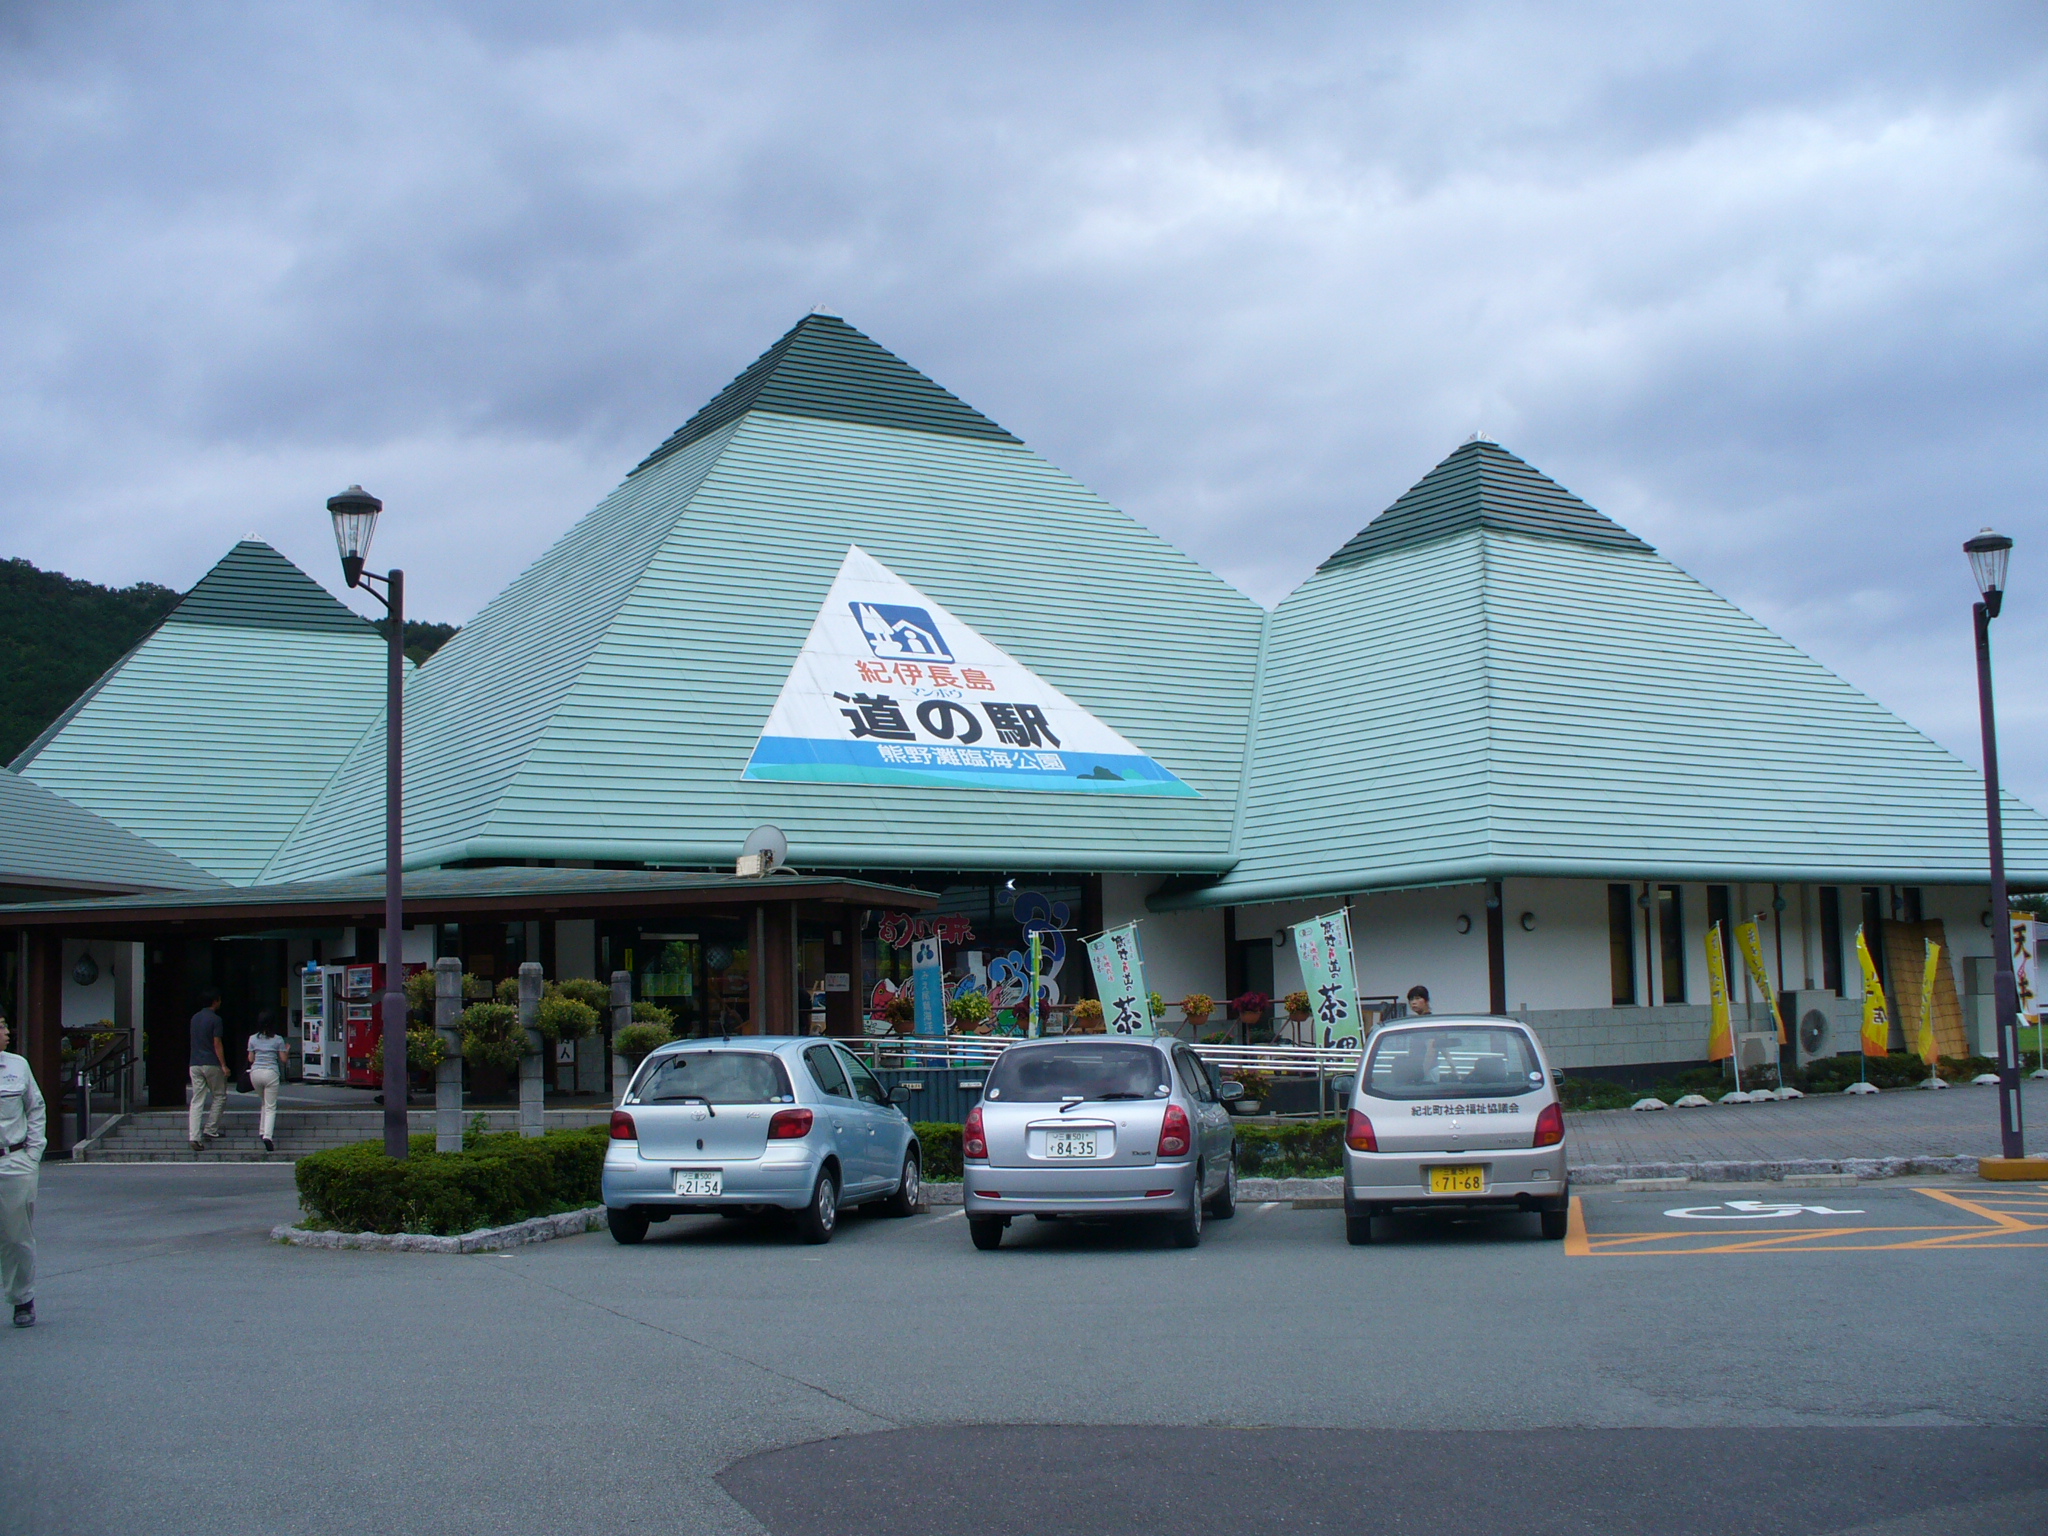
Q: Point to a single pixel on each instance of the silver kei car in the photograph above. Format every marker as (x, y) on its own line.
(1454, 1112)
(1098, 1126)
(750, 1124)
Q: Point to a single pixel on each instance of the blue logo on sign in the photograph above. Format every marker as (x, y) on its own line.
(900, 634)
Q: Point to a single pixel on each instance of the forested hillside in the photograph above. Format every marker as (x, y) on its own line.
(56, 636)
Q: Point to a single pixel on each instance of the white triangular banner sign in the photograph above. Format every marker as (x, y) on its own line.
(890, 688)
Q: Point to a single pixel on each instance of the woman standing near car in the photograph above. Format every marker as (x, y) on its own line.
(268, 1052)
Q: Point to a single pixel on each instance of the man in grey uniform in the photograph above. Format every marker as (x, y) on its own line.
(21, 1155)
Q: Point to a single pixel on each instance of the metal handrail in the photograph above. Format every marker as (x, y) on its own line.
(937, 1052)
(91, 1076)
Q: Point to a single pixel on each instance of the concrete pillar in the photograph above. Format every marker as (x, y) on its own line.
(532, 1065)
(448, 1076)
(622, 1015)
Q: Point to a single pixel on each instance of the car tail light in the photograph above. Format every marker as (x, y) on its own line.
(1358, 1134)
(1549, 1126)
(1174, 1132)
(973, 1141)
(789, 1124)
(623, 1128)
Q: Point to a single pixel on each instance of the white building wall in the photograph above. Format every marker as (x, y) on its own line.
(1562, 962)
(85, 1006)
(1183, 950)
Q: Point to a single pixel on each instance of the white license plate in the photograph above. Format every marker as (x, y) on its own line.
(1070, 1144)
(700, 1181)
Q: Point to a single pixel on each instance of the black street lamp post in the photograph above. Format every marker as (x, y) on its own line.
(355, 522)
(1988, 554)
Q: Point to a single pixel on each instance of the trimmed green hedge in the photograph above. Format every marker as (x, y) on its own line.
(493, 1180)
(940, 1145)
(1302, 1149)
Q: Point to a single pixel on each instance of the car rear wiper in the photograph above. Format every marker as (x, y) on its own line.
(698, 1098)
(1069, 1101)
(1107, 1096)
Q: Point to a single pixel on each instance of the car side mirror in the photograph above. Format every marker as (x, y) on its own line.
(900, 1094)
(1230, 1090)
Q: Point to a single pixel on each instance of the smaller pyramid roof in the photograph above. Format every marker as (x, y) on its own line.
(47, 843)
(212, 736)
(1492, 680)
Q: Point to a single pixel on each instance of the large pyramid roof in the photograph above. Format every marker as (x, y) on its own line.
(609, 702)
(213, 735)
(47, 843)
(1493, 679)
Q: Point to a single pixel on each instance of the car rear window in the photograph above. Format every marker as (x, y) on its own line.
(1453, 1063)
(715, 1077)
(1047, 1074)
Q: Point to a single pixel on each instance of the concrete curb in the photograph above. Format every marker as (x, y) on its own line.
(540, 1229)
(1772, 1172)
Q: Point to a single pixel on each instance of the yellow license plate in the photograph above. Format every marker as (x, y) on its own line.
(1457, 1181)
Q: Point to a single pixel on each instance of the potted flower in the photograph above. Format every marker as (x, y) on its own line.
(1196, 1008)
(1255, 1087)
(1296, 1004)
(901, 1014)
(1087, 1018)
(968, 1013)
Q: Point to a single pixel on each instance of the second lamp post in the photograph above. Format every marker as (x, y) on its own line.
(355, 523)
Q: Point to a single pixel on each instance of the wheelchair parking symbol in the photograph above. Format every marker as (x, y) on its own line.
(1753, 1210)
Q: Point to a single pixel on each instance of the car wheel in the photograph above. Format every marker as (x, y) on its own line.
(1186, 1229)
(987, 1231)
(1555, 1224)
(909, 1196)
(628, 1225)
(815, 1223)
(1358, 1228)
(1223, 1204)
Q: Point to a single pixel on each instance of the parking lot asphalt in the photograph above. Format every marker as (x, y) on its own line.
(189, 1375)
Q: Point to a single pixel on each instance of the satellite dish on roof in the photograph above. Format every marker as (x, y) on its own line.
(766, 851)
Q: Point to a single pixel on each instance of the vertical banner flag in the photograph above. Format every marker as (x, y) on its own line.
(1120, 981)
(928, 986)
(1720, 1032)
(2025, 935)
(1927, 1051)
(1753, 954)
(1034, 1019)
(1323, 945)
(1877, 1019)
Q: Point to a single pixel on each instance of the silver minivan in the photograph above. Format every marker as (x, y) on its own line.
(1098, 1126)
(749, 1124)
(1452, 1112)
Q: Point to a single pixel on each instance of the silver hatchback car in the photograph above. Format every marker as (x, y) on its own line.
(1454, 1112)
(754, 1123)
(1094, 1126)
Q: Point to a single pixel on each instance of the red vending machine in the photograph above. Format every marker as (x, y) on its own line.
(362, 1002)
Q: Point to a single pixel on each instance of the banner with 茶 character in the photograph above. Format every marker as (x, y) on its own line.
(1120, 981)
(1323, 945)
(891, 688)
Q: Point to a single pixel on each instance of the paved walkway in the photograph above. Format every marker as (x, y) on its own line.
(1963, 1122)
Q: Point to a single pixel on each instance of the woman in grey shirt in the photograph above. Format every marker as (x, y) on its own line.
(268, 1053)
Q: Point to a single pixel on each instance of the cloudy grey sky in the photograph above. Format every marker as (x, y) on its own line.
(1767, 283)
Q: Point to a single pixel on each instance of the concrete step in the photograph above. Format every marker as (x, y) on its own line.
(160, 1135)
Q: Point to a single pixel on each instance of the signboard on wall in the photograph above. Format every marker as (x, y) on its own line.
(891, 688)
(928, 986)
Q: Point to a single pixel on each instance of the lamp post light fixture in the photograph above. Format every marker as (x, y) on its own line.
(355, 523)
(1988, 554)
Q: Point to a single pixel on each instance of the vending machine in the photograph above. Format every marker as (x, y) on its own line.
(321, 1054)
(362, 1001)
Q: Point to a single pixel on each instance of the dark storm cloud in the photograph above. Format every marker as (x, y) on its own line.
(1765, 283)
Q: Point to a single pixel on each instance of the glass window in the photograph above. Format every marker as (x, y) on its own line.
(1621, 943)
(1873, 931)
(1192, 1076)
(1831, 938)
(864, 1085)
(1671, 942)
(1046, 1074)
(1721, 910)
(825, 1072)
(714, 1077)
(1453, 1063)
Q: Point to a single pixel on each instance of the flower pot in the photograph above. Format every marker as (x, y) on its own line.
(1247, 1106)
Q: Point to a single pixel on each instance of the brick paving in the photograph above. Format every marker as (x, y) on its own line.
(1962, 1122)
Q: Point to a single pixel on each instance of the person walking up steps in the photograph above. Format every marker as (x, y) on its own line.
(209, 1071)
(22, 1119)
(268, 1052)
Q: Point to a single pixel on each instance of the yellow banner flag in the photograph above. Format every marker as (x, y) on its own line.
(1928, 1052)
(1753, 952)
(1721, 1034)
(1877, 1019)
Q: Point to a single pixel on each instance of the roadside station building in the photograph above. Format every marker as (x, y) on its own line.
(1532, 757)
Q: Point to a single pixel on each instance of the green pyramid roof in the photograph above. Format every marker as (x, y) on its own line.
(824, 368)
(47, 843)
(213, 735)
(1497, 689)
(607, 703)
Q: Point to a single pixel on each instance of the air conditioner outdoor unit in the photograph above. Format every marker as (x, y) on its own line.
(1810, 1016)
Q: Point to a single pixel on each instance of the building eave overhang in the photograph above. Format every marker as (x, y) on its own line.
(1181, 897)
